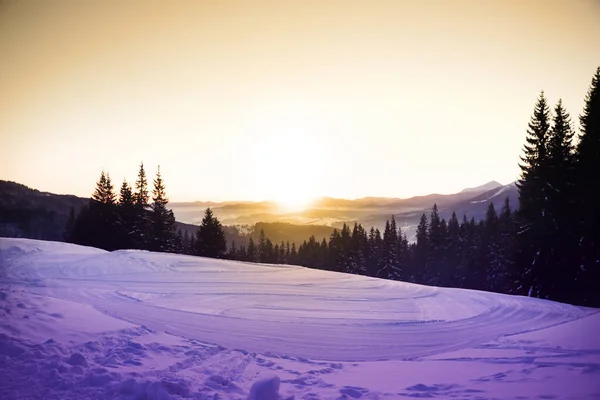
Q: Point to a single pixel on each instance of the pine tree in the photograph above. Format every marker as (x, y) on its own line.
(335, 251)
(269, 251)
(436, 248)
(211, 238)
(127, 217)
(373, 255)
(360, 248)
(323, 255)
(262, 247)
(162, 221)
(141, 199)
(507, 229)
(293, 255)
(451, 274)
(533, 253)
(491, 257)
(346, 261)
(561, 208)
(178, 242)
(388, 266)
(252, 252)
(467, 272)
(403, 257)
(588, 193)
(276, 258)
(288, 253)
(96, 224)
(232, 252)
(422, 252)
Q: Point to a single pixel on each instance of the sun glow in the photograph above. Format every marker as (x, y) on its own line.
(295, 202)
(290, 159)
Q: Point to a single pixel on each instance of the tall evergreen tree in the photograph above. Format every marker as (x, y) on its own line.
(421, 252)
(403, 257)
(293, 254)
(127, 217)
(96, 224)
(263, 255)
(388, 264)
(360, 248)
(375, 243)
(177, 242)
(452, 253)
(507, 244)
(252, 252)
(142, 206)
(162, 221)
(491, 258)
(561, 208)
(211, 237)
(533, 253)
(588, 193)
(232, 252)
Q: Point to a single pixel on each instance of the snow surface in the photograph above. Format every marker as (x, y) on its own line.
(495, 194)
(82, 323)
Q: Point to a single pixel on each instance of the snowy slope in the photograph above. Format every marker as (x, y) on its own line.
(80, 323)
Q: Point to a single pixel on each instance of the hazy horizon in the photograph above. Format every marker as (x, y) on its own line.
(284, 101)
(234, 200)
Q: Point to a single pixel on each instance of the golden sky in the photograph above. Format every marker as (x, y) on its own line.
(283, 100)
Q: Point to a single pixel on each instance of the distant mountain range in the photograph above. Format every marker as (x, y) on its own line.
(369, 211)
(26, 212)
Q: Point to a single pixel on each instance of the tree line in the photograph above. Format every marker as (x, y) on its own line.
(464, 254)
(134, 220)
(558, 237)
(548, 247)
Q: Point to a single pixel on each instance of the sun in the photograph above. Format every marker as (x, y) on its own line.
(290, 155)
(294, 202)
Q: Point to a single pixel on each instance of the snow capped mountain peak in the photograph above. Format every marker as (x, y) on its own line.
(483, 188)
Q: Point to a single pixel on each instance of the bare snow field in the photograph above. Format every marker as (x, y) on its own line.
(81, 323)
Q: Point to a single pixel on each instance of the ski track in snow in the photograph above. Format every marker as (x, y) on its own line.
(81, 323)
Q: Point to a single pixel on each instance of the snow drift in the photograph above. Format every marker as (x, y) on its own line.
(82, 323)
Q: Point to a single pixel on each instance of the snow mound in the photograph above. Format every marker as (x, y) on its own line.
(79, 323)
(265, 389)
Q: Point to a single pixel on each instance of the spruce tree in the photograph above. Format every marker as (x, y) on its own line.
(507, 230)
(211, 237)
(533, 253)
(422, 252)
(561, 209)
(232, 252)
(588, 194)
(127, 217)
(451, 273)
(360, 248)
(437, 247)
(335, 251)
(177, 242)
(161, 219)
(491, 259)
(262, 247)
(251, 251)
(293, 254)
(388, 266)
(141, 199)
(403, 256)
(97, 223)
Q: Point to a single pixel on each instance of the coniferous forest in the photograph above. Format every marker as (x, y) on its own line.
(547, 246)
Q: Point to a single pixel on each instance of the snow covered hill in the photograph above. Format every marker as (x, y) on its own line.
(82, 323)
